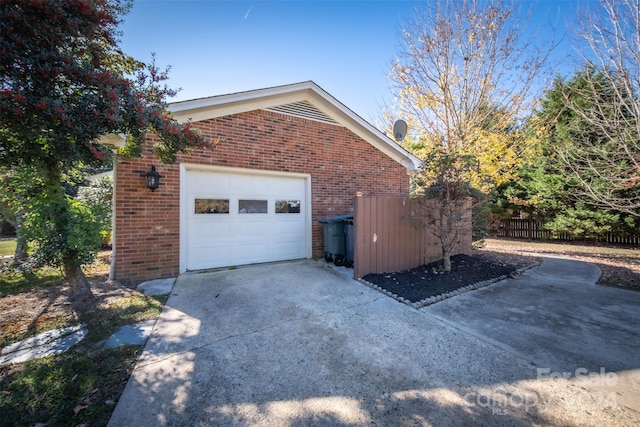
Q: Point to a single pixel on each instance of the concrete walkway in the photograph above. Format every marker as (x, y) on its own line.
(59, 341)
(56, 341)
(299, 344)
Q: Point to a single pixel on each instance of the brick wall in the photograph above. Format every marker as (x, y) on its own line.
(147, 235)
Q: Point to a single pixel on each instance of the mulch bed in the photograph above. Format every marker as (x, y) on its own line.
(429, 280)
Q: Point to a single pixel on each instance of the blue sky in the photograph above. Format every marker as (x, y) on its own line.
(216, 47)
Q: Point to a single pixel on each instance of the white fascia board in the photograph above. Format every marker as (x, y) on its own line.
(221, 107)
(236, 103)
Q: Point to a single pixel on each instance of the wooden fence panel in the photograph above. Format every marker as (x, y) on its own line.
(385, 241)
(534, 230)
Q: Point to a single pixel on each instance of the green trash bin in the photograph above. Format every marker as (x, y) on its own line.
(335, 238)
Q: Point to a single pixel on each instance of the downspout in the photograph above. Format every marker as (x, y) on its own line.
(112, 267)
(114, 141)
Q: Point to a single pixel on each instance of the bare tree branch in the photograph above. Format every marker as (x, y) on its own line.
(468, 70)
(607, 170)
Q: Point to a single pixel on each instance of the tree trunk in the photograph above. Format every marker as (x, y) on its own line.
(80, 287)
(59, 217)
(445, 237)
(20, 255)
(446, 260)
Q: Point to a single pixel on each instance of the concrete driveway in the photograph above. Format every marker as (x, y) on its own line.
(296, 344)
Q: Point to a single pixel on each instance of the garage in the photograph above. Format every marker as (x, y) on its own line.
(281, 159)
(235, 216)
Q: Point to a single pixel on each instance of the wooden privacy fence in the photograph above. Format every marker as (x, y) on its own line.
(385, 241)
(534, 230)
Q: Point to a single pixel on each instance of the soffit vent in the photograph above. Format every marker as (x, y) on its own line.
(305, 110)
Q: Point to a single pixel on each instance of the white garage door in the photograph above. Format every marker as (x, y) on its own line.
(235, 216)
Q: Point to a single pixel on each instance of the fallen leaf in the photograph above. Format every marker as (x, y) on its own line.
(79, 408)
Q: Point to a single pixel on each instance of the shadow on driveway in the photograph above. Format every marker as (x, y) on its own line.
(298, 344)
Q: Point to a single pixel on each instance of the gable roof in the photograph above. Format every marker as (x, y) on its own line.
(305, 99)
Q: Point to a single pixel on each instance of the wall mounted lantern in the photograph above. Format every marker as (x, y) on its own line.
(153, 178)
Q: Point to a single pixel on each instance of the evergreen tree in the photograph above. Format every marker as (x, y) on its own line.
(546, 189)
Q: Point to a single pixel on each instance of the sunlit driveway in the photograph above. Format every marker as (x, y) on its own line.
(299, 344)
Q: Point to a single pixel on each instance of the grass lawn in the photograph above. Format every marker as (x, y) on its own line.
(82, 386)
(7, 246)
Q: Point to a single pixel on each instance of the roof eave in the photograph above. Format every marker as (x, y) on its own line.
(115, 140)
(239, 102)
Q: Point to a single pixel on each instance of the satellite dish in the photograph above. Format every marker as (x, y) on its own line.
(399, 130)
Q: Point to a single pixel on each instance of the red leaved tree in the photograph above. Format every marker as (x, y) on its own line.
(64, 83)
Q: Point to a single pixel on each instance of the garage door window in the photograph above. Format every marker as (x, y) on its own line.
(212, 206)
(287, 206)
(252, 206)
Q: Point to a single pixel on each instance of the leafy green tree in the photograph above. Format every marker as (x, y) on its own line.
(22, 201)
(64, 83)
(539, 189)
(583, 222)
(445, 207)
(545, 189)
(99, 196)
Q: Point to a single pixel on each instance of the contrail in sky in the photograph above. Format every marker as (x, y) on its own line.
(248, 12)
